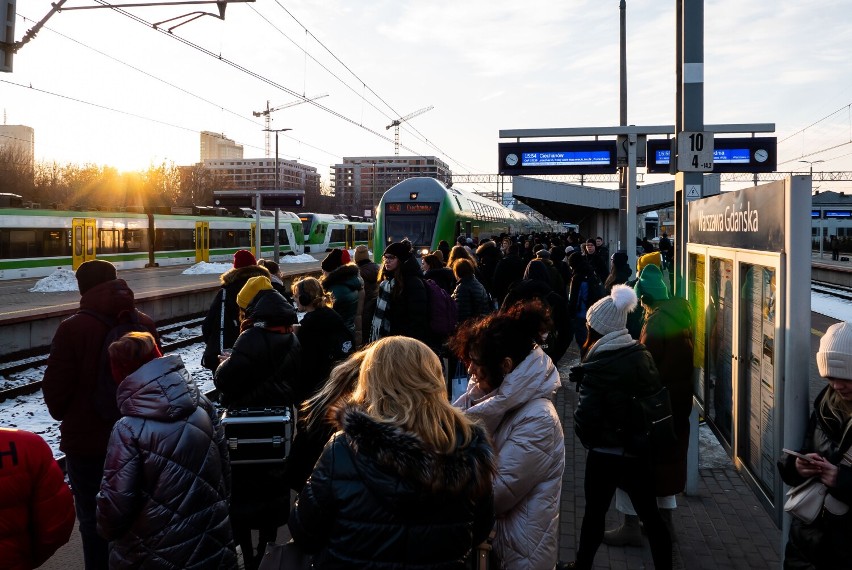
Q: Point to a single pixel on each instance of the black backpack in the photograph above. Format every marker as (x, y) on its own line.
(105, 389)
(651, 423)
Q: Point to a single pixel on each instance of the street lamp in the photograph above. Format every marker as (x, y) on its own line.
(277, 210)
(811, 163)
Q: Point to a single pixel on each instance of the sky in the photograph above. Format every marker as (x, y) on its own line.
(100, 87)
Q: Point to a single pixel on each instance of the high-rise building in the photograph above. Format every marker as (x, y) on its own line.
(360, 182)
(20, 140)
(259, 174)
(215, 145)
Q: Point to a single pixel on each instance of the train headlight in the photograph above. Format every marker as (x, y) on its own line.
(424, 251)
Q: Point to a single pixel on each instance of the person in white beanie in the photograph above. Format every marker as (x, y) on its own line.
(615, 368)
(824, 543)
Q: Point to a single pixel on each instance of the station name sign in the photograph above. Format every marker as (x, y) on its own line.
(561, 157)
(752, 218)
(756, 154)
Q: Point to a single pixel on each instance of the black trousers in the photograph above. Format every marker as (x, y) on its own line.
(605, 472)
(85, 474)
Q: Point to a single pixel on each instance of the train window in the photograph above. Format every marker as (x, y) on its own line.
(108, 241)
(418, 229)
(337, 235)
(361, 234)
(17, 243)
(174, 239)
(90, 240)
(54, 243)
(267, 237)
(78, 240)
(134, 240)
(283, 238)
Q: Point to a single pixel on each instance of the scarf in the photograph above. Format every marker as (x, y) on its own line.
(381, 325)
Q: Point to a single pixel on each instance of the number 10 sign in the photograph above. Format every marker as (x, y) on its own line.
(695, 151)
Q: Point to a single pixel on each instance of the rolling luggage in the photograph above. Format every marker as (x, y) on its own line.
(258, 435)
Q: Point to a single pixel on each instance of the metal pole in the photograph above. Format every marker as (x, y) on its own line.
(257, 206)
(624, 188)
(276, 243)
(690, 117)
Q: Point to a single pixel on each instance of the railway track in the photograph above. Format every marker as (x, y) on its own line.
(165, 332)
(838, 291)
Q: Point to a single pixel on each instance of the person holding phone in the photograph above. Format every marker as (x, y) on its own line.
(824, 543)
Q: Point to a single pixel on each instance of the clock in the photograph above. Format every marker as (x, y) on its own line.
(512, 159)
(760, 155)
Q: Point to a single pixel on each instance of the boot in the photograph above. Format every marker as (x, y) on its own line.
(628, 534)
(666, 515)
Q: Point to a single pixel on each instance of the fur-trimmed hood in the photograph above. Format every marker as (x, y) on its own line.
(235, 274)
(383, 451)
(341, 276)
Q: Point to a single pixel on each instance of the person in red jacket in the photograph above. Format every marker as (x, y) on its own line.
(71, 383)
(36, 508)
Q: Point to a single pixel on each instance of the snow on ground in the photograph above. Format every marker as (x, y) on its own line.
(203, 267)
(833, 307)
(59, 280)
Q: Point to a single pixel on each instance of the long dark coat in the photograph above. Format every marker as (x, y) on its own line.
(667, 334)
(74, 366)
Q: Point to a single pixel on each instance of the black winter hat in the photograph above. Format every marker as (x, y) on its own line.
(401, 249)
(94, 272)
(333, 260)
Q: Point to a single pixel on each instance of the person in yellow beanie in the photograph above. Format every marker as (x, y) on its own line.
(262, 371)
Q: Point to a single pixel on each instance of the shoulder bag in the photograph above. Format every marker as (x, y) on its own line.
(806, 501)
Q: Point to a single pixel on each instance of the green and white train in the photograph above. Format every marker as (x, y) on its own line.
(34, 243)
(424, 211)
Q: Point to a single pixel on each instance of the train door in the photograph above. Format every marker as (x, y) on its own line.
(370, 237)
(83, 232)
(468, 229)
(253, 239)
(202, 241)
(350, 237)
(475, 234)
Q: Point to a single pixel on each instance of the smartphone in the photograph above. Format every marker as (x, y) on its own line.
(801, 456)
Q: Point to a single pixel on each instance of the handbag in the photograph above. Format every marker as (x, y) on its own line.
(285, 557)
(806, 501)
(484, 557)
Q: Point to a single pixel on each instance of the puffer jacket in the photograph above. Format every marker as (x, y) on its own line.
(825, 542)
(347, 288)
(471, 298)
(211, 329)
(36, 508)
(163, 501)
(667, 334)
(615, 369)
(263, 367)
(530, 447)
(380, 498)
(74, 366)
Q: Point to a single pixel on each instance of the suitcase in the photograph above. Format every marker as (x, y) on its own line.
(258, 435)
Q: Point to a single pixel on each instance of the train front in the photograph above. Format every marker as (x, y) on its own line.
(416, 209)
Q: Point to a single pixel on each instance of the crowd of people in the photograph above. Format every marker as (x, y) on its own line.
(387, 470)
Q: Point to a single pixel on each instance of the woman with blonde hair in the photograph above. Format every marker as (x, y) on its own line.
(824, 542)
(407, 480)
(323, 334)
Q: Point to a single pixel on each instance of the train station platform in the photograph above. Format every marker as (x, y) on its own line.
(721, 527)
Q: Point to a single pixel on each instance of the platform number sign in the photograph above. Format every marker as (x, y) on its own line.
(695, 151)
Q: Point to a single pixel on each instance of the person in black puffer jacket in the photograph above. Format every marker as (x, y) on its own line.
(407, 482)
(402, 307)
(163, 502)
(615, 368)
(262, 371)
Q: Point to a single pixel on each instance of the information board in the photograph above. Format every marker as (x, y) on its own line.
(756, 154)
(561, 157)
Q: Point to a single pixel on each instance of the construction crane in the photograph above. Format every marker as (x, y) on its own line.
(266, 113)
(396, 122)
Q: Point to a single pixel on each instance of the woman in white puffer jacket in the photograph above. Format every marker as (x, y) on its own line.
(510, 392)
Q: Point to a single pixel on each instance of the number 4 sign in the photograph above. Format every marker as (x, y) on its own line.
(695, 151)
